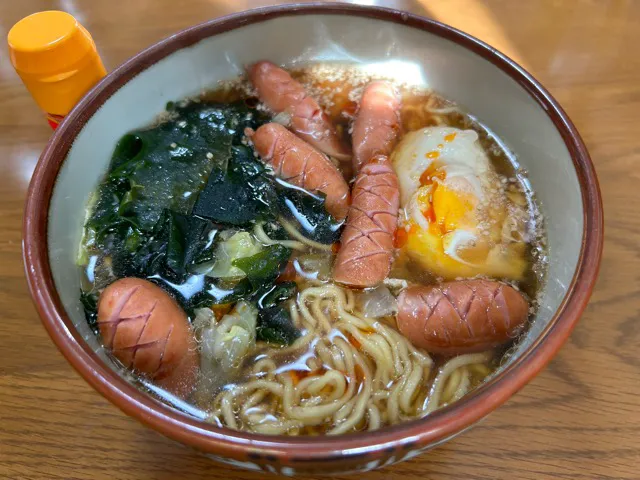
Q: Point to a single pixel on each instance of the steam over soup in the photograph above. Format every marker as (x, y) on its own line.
(311, 252)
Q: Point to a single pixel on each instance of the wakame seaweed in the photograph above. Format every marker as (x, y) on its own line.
(164, 167)
(241, 194)
(176, 241)
(275, 326)
(278, 294)
(89, 301)
(213, 293)
(245, 193)
(263, 268)
(309, 214)
(274, 321)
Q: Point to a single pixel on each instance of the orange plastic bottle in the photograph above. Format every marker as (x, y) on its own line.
(56, 59)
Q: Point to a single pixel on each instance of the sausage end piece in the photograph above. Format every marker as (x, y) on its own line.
(377, 124)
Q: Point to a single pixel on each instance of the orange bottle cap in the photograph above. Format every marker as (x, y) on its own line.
(47, 42)
(56, 59)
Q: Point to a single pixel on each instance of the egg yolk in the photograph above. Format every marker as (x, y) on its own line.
(453, 209)
(451, 247)
(473, 250)
(402, 235)
(428, 249)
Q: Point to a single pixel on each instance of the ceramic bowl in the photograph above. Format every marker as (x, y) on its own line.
(496, 90)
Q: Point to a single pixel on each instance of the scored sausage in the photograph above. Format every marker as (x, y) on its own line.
(299, 164)
(377, 124)
(281, 93)
(461, 317)
(148, 332)
(366, 250)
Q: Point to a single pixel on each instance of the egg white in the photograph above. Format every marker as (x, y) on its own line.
(446, 172)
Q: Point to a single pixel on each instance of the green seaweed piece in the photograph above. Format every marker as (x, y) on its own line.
(164, 167)
(263, 268)
(240, 196)
(176, 241)
(276, 326)
(89, 301)
(279, 293)
(309, 214)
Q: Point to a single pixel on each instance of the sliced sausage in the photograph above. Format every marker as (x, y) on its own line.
(298, 163)
(148, 332)
(281, 93)
(366, 251)
(377, 124)
(461, 317)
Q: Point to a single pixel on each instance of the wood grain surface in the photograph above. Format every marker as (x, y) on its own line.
(579, 419)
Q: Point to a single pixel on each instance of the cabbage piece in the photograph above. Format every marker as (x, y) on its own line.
(377, 302)
(239, 245)
(225, 344)
(315, 266)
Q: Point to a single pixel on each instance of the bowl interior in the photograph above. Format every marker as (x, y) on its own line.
(413, 55)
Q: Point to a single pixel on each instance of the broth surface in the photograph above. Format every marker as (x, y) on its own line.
(344, 367)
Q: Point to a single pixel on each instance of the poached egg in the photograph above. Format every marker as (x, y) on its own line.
(456, 219)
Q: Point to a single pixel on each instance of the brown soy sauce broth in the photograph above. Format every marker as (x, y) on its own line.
(338, 90)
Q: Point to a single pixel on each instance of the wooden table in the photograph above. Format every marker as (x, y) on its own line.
(579, 419)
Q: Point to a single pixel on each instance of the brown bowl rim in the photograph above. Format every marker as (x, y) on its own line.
(434, 428)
